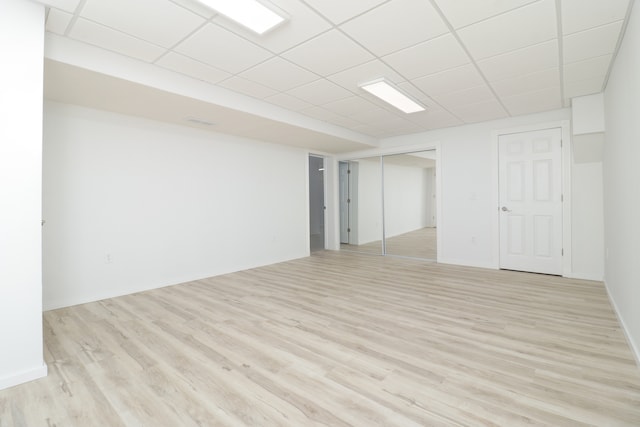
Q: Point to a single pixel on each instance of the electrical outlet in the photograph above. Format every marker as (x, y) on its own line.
(108, 259)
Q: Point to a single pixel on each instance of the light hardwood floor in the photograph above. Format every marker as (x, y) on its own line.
(420, 243)
(417, 244)
(338, 339)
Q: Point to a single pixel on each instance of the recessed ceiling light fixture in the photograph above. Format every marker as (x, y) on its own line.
(251, 14)
(392, 95)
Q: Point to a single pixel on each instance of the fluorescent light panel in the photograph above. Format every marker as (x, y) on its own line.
(393, 96)
(249, 13)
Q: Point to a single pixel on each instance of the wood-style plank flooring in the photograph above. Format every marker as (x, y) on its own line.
(416, 244)
(421, 243)
(338, 339)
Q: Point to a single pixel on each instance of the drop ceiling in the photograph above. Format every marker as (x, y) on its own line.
(465, 60)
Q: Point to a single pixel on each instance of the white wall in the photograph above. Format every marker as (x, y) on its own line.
(621, 178)
(587, 219)
(432, 214)
(587, 114)
(407, 191)
(133, 204)
(467, 227)
(22, 47)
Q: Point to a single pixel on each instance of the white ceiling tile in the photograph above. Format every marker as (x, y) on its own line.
(451, 80)
(338, 11)
(533, 102)
(371, 130)
(407, 22)
(593, 42)
(436, 118)
(287, 101)
(222, 49)
(466, 96)
(527, 82)
(319, 113)
(279, 74)
(248, 87)
(352, 78)
(429, 57)
(196, 7)
(377, 115)
(320, 92)
(66, 5)
(526, 26)
(315, 62)
(587, 69)
(523, 61)
(191, 67)
(58, 21)
(415, 93)
(583, 87)
(328, 53)
(303, 24)
(578, 15)
(444, 122)
(98, 35)
(401, 127)
(482, 111)
(406, 128)
(393, 122)
(464, 12)
(157, 21)
(350, 106)
(345, 122)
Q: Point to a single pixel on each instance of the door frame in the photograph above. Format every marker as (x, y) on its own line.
(564, 125)
(325, 162)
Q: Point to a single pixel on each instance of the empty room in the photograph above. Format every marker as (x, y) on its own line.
(319, 213)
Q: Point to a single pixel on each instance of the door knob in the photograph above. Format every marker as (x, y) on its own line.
(505, 209)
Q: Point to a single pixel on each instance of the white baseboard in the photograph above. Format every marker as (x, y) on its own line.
(465, 263)
(580, 276)
(635, 349)
(23, 377)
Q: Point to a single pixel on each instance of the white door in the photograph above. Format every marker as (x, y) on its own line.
(531, 201)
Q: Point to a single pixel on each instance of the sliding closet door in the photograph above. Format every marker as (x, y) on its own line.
(409, 205)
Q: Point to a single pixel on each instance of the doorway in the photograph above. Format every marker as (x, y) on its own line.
(316, 203)
(530, 201)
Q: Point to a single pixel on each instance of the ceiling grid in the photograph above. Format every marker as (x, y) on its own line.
(465, 61)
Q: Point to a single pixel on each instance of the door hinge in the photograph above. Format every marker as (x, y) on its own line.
(348, 230)
(348, 200)
(562, 252)
(562, 197)
(348, 171)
